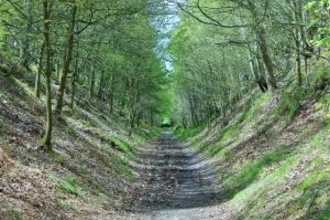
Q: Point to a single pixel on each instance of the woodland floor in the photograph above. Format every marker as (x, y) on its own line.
(162, 178)
(85, 178)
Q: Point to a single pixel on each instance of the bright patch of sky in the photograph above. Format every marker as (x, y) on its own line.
(165, 23)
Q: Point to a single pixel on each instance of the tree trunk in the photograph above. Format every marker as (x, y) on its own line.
(49, 124)
(101, 85)
(40, 69)
(298, 64)
(67, 61)
(25, 55)
(298, 38)
(74, 78)
(111, 94)
(132, 87)
(266, 58)
(262, 44)
(91, 82)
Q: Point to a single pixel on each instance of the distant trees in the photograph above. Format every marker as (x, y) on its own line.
(222, 49)
(98, 51)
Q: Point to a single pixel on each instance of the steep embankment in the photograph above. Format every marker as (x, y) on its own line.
(274, 156)
(88, 175)
(271, 160)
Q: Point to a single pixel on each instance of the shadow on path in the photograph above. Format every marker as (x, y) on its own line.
(176, 177)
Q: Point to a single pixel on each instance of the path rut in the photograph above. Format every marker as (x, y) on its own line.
(176, 177)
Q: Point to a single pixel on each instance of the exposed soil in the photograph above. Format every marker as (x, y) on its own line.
(172, 181)
(179, 183)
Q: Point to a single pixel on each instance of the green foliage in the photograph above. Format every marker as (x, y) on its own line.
(121, 166)
(123, 146)
(320, 18)
(58, 158)
(66, 205)
(313, 179)
(255, 106)
(289, 104)
(314, 197)
(2, 36)
(71, 185)
(321, 78)
(251, 171)
(17, 215)
(184, 133)
(71, 130)
(324, 213)
(118, 160)
(86, 122)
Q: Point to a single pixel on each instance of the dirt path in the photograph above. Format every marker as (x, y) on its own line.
(179, 184)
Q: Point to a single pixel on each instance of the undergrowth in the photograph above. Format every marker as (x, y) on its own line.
(123, 146)
(69, 184)
(288, 106)
(121, 166)
(184, 133)
(252, 170)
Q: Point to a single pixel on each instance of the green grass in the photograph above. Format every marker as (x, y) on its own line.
(325, 213)
(252, 170)
(123, 146)
(313, 179)
(254, 110)
(184, 133)
(66, 205)
(289, 105)
(147, 132)
(11, 213)
(71, 130)
(17, 214)
(255, 190)
(69, 185)
(314, 197)
(58, 158)
(121, 166)
(320, 74)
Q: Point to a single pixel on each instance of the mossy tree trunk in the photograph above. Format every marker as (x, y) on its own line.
(46, 141)
(74, 78)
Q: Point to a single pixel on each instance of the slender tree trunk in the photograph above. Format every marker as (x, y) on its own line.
(91, 82)
(25, 49)
(209, 116)
(67, 61)
(132, 87)
(266, 59)
(74, 78)
(101, 85)
(262, 43)
(298, 64)
(193, 109)
(151, 117)
(306, 70)
(304, 26)
(131, 121)
(49, 124)
(111, 93)
(40, 69)
(298, 38)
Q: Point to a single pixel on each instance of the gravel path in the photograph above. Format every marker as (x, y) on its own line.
(180, 184)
